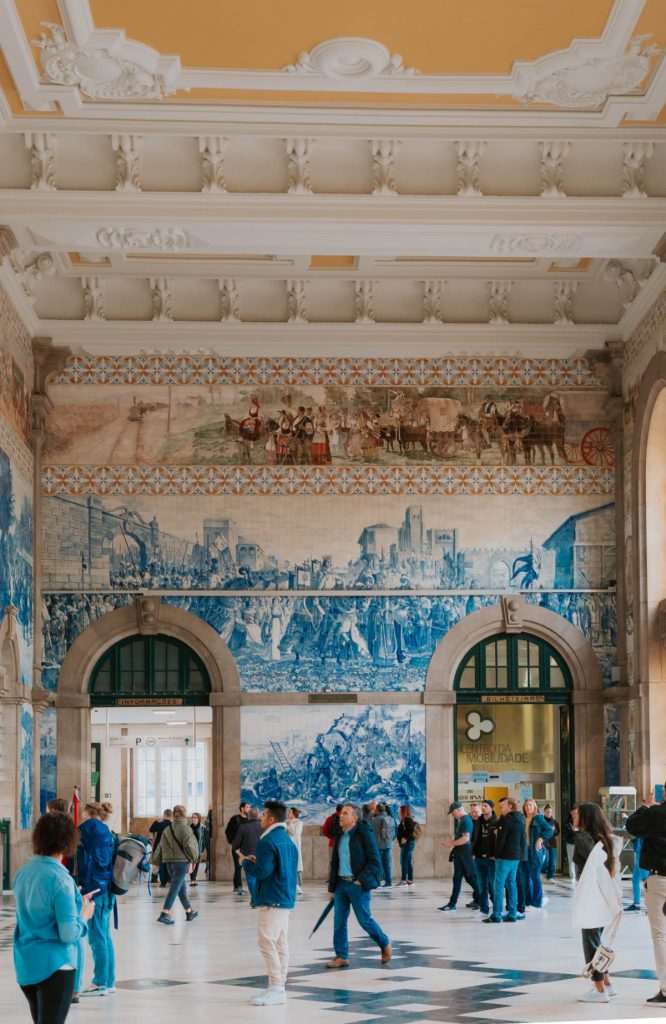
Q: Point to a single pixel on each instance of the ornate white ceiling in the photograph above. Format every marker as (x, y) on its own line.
(355, 194)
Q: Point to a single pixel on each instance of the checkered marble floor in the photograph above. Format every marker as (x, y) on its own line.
(445, 967)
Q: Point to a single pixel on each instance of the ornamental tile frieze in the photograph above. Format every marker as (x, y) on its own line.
(278, 480)
(166, 368)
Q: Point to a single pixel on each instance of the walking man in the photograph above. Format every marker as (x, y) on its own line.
(649, 824)
(461, 854)
(230, 834)
(273, 871)
(355, 872)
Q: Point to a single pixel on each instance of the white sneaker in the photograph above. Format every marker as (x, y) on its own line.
(545, 901)
(299, 890)
(593, 997)
(271, 997)
(110, 990)
(402, 885)
(610, 990)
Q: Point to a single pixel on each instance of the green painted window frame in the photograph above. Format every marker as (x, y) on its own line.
(484, 661)
(145, 650)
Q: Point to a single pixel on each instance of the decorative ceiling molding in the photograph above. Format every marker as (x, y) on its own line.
(536, 245)
(155, 239)
(350, 59)
(591, 81)
(99, 73)
(587, 81)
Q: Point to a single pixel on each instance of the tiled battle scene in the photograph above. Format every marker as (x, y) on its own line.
(445, 968)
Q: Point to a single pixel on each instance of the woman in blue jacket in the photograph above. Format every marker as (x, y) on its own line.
(51, 919)
(538, 832)
(94, 872)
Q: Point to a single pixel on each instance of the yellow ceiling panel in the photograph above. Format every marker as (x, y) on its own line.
(435, 36)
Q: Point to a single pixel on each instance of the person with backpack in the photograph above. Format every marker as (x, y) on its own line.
(230, 831)
(408, 832)
(179, 848)
(383, 828)
(94, 874)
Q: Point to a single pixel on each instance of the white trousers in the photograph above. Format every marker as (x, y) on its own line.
(655, 898)
(272, 929)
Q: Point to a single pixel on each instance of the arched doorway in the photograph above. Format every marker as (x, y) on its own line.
(513, 722)
(512, 618)
(86, 665)
(649, 568)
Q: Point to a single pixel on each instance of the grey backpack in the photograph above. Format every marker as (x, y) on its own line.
(132, 859)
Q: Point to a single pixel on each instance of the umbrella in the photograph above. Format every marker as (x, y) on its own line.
(322, 917)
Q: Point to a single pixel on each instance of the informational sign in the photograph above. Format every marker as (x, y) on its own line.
(148, 702)
(150, 741)
(499, 739)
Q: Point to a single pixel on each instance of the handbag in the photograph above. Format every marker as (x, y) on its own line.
(604, 955)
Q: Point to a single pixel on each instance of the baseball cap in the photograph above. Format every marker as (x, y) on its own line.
(455, 806)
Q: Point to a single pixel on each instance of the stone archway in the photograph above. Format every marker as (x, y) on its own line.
(512, 615)
(648, 487)
(149, 616)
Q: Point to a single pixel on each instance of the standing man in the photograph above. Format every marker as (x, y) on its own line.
(649, 824)
(510, 849)
(461, 855)
(355, 872)
(273, 871)
(230, 834)
(383, 828)
(156, 830)
(483, 851)
(245, 841)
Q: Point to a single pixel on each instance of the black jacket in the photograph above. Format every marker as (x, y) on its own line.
(649, 824)
(247, 837)
(568, 832)
(233, 825)
(364, 857)
(483, 840)
(406, 830)
(511, 842)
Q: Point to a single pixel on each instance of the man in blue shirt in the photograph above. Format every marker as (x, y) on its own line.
(461, 855)
(355, 872)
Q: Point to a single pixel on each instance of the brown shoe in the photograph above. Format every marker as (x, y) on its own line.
(336, 963)
(386, 953)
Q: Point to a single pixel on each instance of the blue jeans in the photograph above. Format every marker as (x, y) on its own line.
(463, 867)
(505, 875)
(387, 865)
(99, 937)
(530, 878)
(549, 862)
(406, 858)
(350, 895)
(485, 882)
(178, 886)
(251, 884)
(638, 875)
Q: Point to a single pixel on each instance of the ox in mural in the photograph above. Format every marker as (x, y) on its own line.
(287, 425)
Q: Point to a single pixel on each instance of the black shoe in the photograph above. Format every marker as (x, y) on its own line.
(191, 914)
(472, 906)
(492, 920)
(659, 998)
(630, 908)
(448, 908)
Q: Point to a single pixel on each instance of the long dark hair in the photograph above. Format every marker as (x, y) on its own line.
(593, 820)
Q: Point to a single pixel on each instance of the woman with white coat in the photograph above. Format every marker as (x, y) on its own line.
(597, 902)
(295, 830)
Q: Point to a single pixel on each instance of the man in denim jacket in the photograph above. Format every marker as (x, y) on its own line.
(273, 869)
